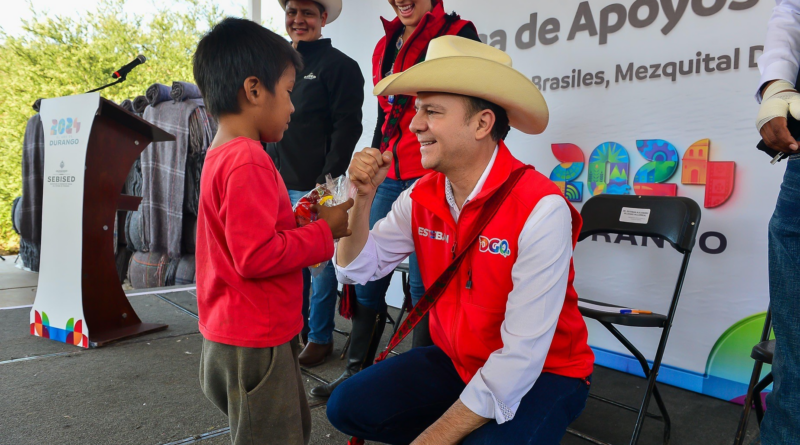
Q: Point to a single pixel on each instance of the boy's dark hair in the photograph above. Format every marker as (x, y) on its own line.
(233, 50)
(501, 127)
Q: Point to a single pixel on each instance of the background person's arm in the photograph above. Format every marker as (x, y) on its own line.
(781, 57)
(779, 70)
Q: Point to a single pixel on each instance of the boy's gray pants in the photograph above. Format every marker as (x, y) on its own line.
(260, 390)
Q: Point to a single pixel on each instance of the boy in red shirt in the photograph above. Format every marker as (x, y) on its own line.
(250, 253)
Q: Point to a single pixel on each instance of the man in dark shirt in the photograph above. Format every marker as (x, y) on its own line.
(325, 127)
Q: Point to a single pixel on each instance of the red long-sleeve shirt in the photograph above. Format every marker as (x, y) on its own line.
(250, 253)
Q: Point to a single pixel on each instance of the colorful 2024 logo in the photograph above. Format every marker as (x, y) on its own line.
(65, 126)
(609, 166)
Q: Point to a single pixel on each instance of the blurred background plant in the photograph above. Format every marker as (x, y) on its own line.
(61, 55)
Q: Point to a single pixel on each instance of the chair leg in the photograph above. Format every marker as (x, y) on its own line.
(651, 382)
(651, 387)
(756, 393)
(741, 431)
(664, 414)
(406, 301)
(662, 345)
(399, 320)
(406, 280)
(344, 349)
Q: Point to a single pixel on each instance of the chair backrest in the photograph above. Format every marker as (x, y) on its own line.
(675, 219)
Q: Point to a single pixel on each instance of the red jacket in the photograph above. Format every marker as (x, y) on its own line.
(465, 323)
(250, 253)
(407, 163)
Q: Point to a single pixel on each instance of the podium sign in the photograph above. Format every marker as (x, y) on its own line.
(90, 145)
(58, 310)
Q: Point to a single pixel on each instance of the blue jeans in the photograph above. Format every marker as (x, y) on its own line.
(397, 399)
(373, 294)
(782, 422)
(320, 307)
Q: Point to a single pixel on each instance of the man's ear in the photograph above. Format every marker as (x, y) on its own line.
(486, 120)
(324, 18)
(252, 90)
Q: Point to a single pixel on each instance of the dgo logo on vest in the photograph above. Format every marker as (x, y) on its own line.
(495, 246)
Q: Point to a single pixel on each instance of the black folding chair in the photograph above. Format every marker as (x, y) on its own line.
(401, 268)
(762, 353)
(406, 306)
(674, 219)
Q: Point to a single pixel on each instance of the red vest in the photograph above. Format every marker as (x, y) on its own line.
(407, 162)
(465, 322)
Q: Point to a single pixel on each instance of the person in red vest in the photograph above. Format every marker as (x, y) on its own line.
(404, 45)
(510, 362)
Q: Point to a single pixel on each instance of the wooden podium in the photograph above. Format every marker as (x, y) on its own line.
(90, 145)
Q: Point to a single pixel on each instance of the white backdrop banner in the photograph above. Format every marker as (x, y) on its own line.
(646, 97)
(57, 312)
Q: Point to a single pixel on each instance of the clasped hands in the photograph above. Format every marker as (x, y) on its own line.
(367, 171)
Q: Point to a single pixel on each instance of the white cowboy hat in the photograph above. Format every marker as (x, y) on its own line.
(332, 7)
(462, 66)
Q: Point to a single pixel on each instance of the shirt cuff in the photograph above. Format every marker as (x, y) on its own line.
(777, 70)
(362, 268)
(481, 401)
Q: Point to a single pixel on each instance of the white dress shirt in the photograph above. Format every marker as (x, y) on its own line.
(539, 276)
(781, 57)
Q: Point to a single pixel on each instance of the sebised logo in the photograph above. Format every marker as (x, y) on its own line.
(65, 126)
(495, 246)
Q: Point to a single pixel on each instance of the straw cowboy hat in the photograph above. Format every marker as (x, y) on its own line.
(462, 66)
(332, 7)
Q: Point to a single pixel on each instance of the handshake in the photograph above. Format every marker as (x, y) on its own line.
(367, 171)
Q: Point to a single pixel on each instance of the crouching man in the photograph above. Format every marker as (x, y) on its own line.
(510, 363)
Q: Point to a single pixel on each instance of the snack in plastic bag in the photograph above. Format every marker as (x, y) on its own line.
(332, 193)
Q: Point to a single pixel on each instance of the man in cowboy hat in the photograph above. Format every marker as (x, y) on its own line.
(326, 125)
(510, 363)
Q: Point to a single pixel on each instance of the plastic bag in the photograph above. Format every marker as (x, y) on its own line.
(332, 193)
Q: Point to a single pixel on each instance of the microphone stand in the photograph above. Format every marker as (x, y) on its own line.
(120, 80)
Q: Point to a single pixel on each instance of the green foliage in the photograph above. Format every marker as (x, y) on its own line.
(60, 56)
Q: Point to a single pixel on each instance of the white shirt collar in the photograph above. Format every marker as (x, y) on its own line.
(448, 188)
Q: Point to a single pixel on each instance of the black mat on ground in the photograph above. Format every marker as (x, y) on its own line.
(696, 419)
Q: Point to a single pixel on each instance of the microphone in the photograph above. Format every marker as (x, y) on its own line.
(123, 72)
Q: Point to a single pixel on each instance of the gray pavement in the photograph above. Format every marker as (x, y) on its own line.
(17, 286)
(145, 390)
